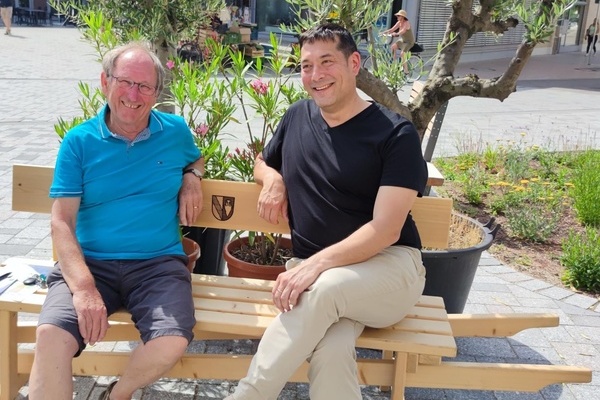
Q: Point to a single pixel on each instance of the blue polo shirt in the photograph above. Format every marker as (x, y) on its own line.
(128, 190)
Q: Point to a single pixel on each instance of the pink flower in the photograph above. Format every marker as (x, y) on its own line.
(201, 129)
(259, 86)
(170, 64)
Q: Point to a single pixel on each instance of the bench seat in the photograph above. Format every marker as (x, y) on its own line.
(416, 350)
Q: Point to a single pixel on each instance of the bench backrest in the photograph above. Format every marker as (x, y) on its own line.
(228, 205)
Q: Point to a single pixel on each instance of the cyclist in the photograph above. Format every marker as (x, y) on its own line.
(404, 38)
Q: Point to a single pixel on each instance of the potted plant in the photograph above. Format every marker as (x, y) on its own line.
(225, 88)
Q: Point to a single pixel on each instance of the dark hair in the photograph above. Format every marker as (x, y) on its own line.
(328, 32)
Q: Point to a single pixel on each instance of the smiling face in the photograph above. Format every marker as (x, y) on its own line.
(328, 76)
(129, 109)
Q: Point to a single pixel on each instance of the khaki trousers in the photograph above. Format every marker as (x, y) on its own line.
(323, 327)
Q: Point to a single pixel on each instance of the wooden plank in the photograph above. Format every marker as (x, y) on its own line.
(449, 375)
(249, 295)
(408, 342)
(227, 205)
(435, 177)
(400, 364)
(498, 325)
(432, 216)
(207, 366)
(496, 376)
(231, 282)
(31, 184)
(9, 381)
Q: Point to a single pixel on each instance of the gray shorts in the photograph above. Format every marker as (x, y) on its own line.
(157, 293)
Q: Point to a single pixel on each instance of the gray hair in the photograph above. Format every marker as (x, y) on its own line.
(109, 60)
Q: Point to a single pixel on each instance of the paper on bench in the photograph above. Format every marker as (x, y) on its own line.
(6, 283)
(20, 269)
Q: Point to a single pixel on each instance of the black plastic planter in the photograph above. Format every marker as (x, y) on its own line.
(450, 273)
(211, 241)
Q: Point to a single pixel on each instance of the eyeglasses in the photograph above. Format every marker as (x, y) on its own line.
(144, 89)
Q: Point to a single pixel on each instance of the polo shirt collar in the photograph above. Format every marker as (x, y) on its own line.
(155, 125)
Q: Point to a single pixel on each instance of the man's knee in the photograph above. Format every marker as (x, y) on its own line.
(167, 349)
(53, 339)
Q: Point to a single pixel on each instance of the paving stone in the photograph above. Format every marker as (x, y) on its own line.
(556, 293)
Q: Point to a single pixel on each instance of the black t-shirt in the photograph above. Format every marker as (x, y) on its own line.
(333, 175)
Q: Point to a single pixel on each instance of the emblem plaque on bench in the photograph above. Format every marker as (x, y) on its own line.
(222, 207)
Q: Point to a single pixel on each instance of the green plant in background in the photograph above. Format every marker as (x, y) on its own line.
(586, 189)
(581, 258)
(205, 102)
(475, 185)
(533, 189)
(534, 222)
(90, 104)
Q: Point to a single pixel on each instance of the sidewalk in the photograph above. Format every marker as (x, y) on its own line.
(556, 104)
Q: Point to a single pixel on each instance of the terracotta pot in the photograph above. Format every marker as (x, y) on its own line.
(242, 269)
(192, 250)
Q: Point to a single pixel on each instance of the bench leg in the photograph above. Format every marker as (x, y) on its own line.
(399, 384)
(386, 355)
(10, 382)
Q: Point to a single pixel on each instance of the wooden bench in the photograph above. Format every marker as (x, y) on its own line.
(228, 308)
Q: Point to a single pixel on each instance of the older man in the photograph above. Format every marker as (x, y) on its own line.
(124, 181)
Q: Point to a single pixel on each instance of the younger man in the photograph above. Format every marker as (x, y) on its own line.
(346, 172)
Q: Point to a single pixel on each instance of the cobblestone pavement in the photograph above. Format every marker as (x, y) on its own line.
(556, 105)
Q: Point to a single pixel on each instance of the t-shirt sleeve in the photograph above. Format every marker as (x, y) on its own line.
(272, 151)
(68, 173)
(403, 163)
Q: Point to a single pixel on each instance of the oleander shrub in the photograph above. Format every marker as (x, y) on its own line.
(581, 259)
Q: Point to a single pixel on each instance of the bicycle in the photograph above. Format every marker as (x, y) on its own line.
(383, 53)
(190, 51)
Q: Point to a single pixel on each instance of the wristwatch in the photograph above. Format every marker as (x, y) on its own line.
(194, 171)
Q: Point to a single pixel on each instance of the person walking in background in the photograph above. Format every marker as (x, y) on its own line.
(6, 10)
(124, 181)
(402, 33)
(592, 36)
(345, 172)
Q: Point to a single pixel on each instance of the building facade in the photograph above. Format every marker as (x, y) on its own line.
(429, 17)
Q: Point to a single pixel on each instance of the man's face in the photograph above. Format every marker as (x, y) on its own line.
(327, 75)
(129, 108)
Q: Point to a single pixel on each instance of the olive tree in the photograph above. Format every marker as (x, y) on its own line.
(467, 18)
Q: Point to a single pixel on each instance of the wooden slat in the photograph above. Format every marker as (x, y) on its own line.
(496, 376)
(449, 375)
(432, 216)
(31, 184)
(435, 177)
(498, 325)
(232, 294)
(9, 382)
(208, 366)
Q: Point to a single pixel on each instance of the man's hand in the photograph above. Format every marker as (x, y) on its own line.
(291, 284)
(190, 200)
(273, 202)
(91, 314)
